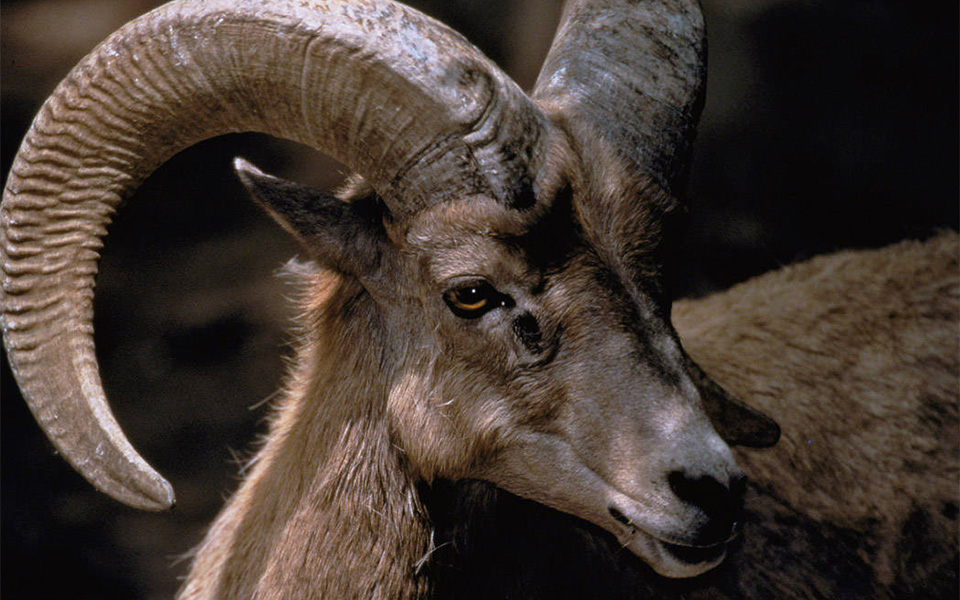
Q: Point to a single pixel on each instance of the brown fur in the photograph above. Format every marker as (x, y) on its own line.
(327, 510)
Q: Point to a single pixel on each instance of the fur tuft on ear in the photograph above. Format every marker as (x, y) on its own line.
(737, 423)
(338, 235)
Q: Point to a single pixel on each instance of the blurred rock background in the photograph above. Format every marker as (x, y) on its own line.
(828, 124)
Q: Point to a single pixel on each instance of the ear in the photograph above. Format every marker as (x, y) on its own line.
(737, 423)
(345, 237)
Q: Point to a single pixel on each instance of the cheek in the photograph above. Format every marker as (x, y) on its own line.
(427, 440)
(451, 413)
(478, 347)
(538, 401)
(442, 422)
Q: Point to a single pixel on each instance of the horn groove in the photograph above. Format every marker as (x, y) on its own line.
(386, 90)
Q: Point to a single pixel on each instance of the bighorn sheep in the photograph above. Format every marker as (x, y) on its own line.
(496, 311)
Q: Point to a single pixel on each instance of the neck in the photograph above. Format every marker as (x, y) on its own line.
(329, 509)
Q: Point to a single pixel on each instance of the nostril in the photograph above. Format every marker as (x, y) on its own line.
(721, 504)
(704, 491)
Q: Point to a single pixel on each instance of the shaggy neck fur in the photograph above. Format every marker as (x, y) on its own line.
(348, 523)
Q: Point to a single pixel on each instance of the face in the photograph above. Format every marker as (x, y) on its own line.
(535, 353)
(531, 348)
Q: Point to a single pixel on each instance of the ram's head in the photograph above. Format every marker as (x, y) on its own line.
(501, 250)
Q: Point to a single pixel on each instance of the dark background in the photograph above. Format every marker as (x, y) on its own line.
(828, 125)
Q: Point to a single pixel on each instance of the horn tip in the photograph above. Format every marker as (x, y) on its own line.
(160, 497)
(151, 492)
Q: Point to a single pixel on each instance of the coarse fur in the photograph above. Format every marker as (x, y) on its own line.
(327, 498)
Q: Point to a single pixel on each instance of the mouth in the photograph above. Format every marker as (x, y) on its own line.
(669, 559)
(649, 529)
(707, 556)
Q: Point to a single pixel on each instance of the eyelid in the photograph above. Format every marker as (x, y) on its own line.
(462, 281)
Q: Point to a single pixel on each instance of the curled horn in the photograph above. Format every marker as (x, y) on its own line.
(396, 96)
(633, 74)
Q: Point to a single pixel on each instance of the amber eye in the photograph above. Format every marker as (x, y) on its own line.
(474, 300)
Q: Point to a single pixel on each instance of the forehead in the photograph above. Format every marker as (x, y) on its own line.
(616, 234)
(482, 236)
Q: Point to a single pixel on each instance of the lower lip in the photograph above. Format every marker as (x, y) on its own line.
(673, 560)
(693, 555)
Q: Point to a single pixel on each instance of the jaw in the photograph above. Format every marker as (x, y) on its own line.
(553, 475)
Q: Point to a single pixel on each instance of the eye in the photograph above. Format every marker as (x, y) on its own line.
(474, 300)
